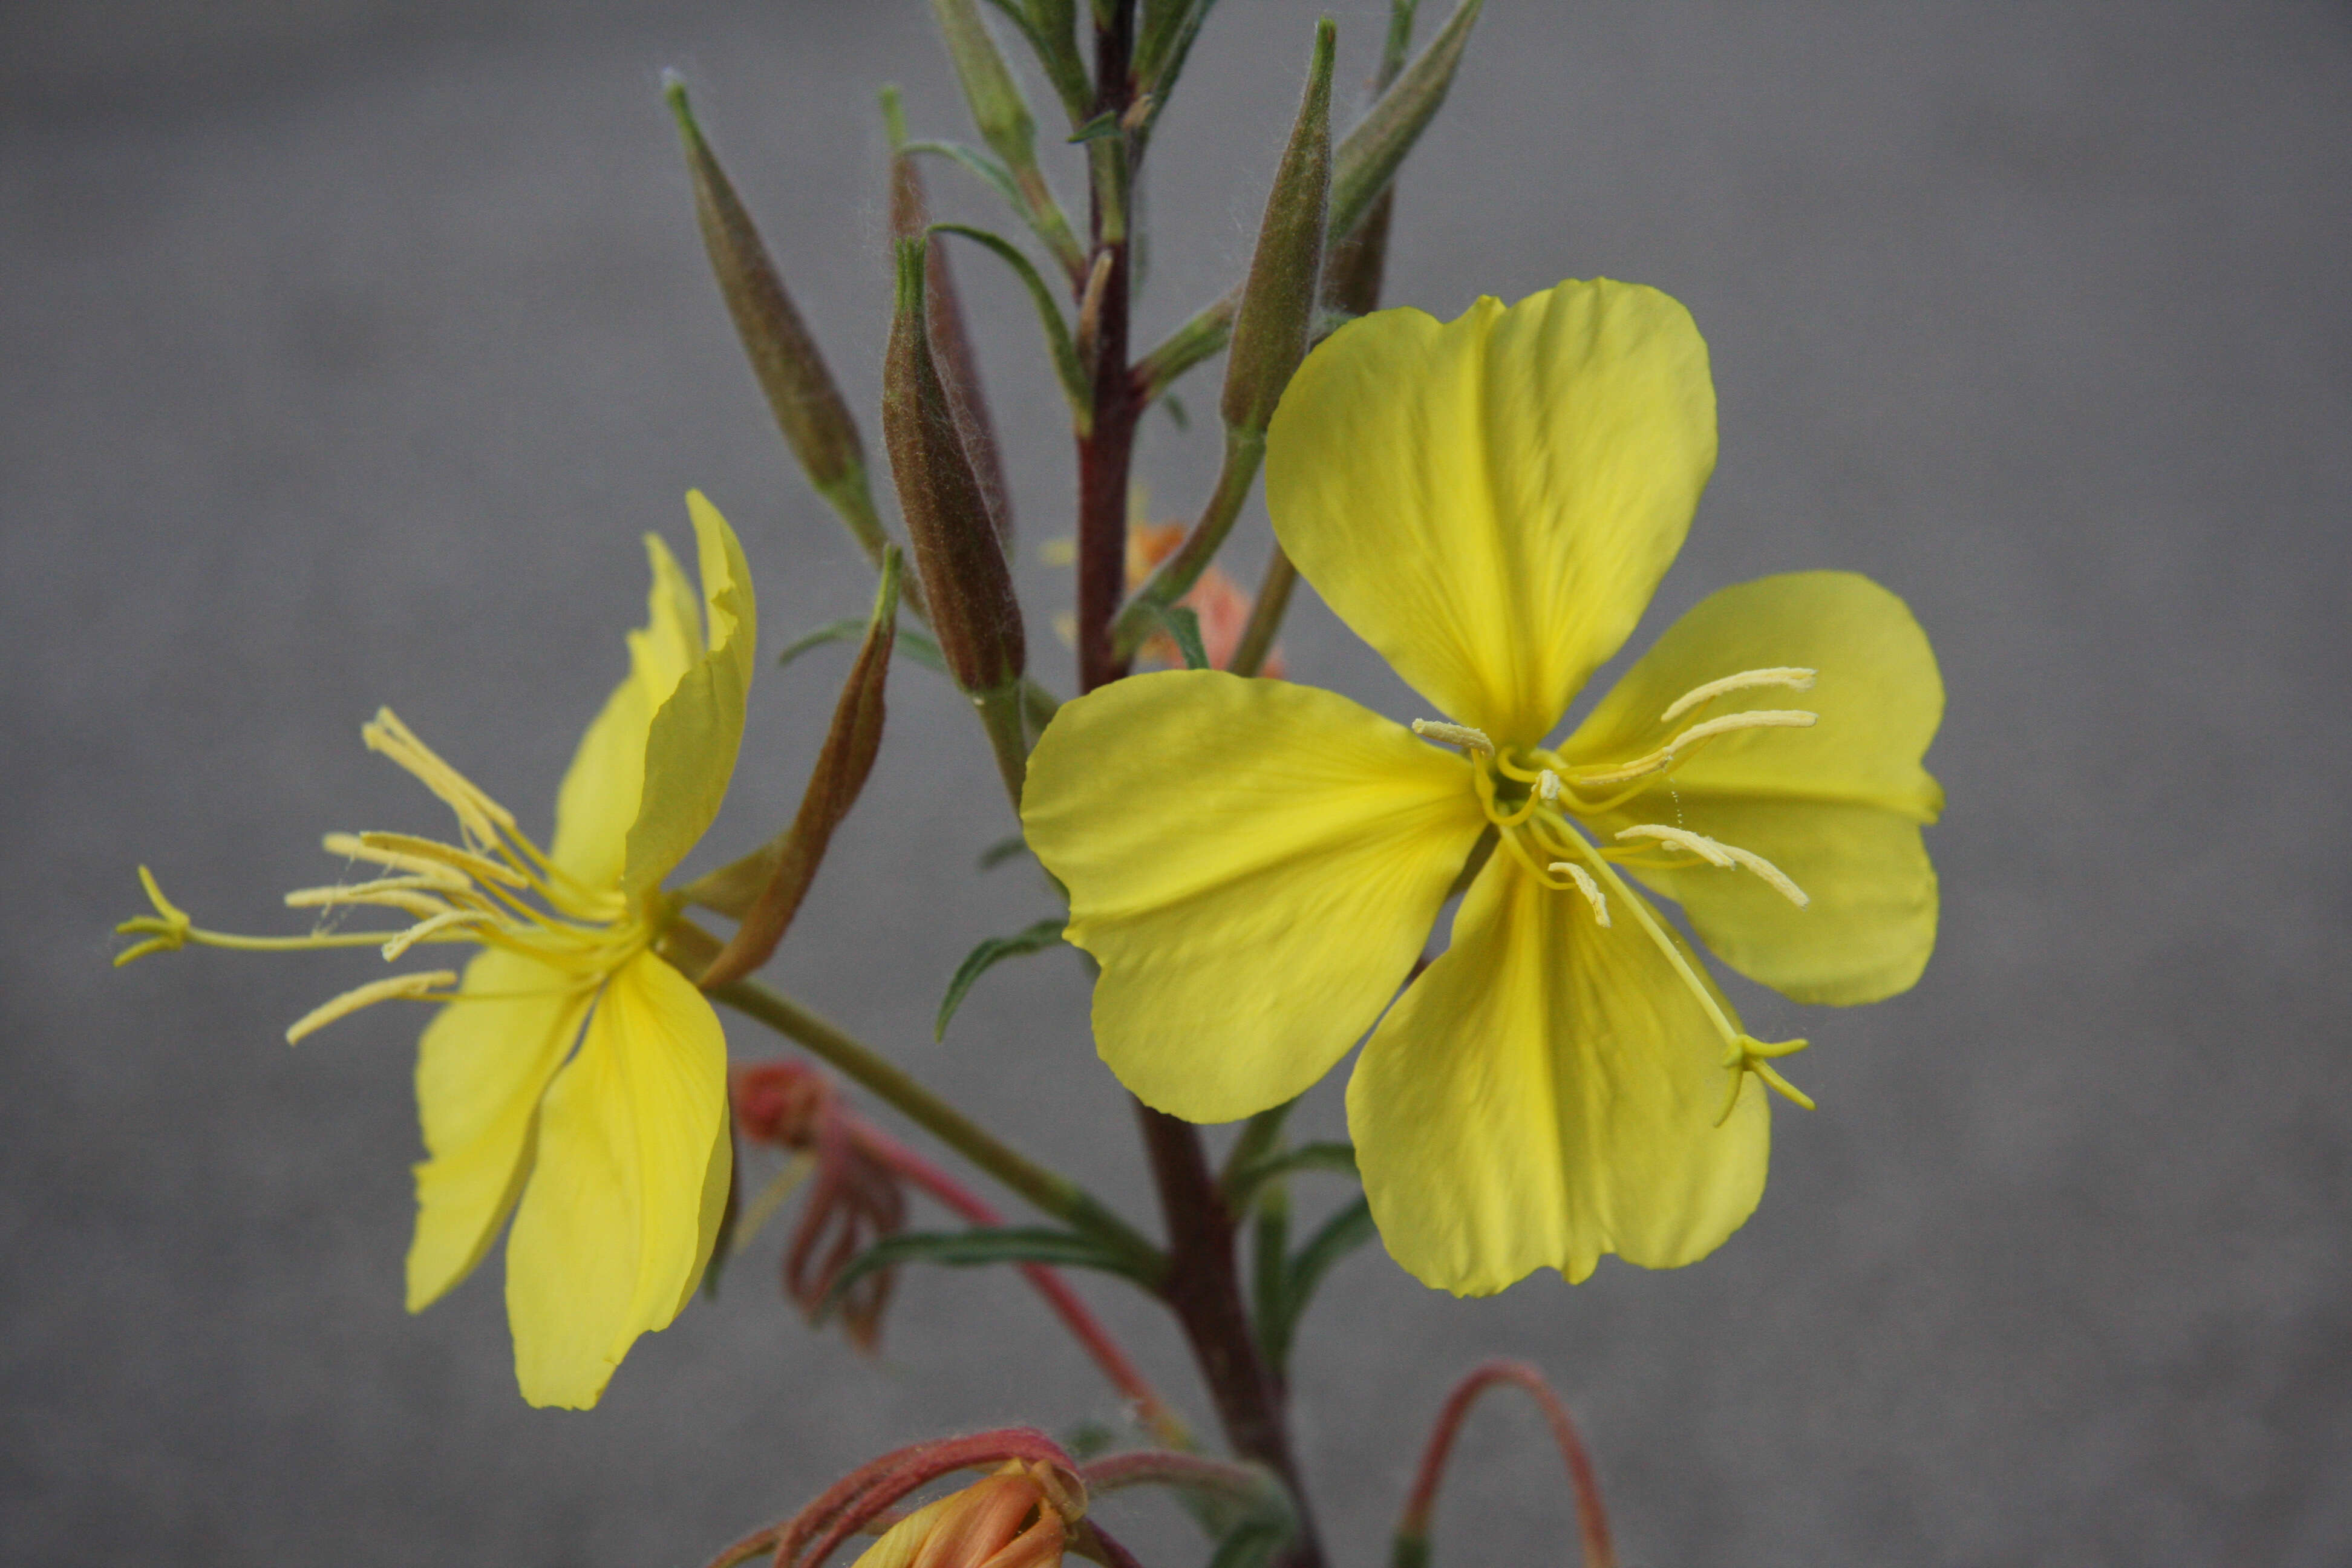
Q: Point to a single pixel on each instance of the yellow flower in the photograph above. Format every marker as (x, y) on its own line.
(1489, 503)
(573, 1078)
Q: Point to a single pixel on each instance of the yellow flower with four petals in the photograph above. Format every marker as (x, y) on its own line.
(572, 1078)
(1256, 866)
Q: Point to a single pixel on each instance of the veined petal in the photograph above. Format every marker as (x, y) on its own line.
(1836, 807)
(598, 799)
(481, 1067)
(1254, 864)
(1489, 501)
(696, 731)
(625, 1197)
(1545, 1093)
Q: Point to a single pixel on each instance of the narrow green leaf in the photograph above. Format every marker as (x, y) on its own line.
(1339, 1236)
(1037, 937)
(1182, 627)
(1000, 179)
(1176, 414)
(1101, 125)
(1251, 1545)
(1340, 1159)
(1004, 849)
(1058, 343)
(980, 1247)
(913, 643)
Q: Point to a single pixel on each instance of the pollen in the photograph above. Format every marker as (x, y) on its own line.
(1716, 852)
(1461, 735)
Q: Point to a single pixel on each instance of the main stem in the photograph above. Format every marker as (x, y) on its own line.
(1203, 1284)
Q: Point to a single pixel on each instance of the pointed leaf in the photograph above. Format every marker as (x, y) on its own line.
(1340, 1235)
(981, 1245)
(1243, 1184)
(1368, 159)
(1058, 343)
(1037, 937)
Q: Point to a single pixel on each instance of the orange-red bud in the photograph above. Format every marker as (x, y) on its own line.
(1018, 1517)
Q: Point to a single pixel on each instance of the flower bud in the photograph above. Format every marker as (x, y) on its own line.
(1018, 1517)
(808, 407)
(1368, 160)
(1278, 301)
(943, 315)
(973, 610)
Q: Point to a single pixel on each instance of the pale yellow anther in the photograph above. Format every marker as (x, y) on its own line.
(1461, 735)
(1780, 882)
(1585, 885)
(425, 929)
(1790, 676)
(1664, 757)
(407, 894)
(400, 987)
(481, 868)
(1698, 843)
(1548, 786)
(350, 847)
(480, 815)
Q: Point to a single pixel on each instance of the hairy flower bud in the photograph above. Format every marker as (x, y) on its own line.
(1279, 301)
(808, 407)
(964, 576)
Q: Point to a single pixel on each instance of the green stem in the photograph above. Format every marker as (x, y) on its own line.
(1245, 450)
(1053, 1194)
(1265, 614)
(1000, 715)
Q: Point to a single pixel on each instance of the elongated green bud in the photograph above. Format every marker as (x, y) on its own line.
(958, 368)
(1279, 301)
(1001, 115)
(808, 407)
(1368, 159)
(973, 611)
(1354, 264)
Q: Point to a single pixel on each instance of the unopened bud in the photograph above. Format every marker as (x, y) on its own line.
(1278, 301)
(958, 368)
(973, 610)
(808, 407)
(1369, 159)
(1020, 1517)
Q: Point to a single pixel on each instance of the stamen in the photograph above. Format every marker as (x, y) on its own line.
(1659, 759)
(1698, 843)
(400, 893)
(480, 815)
(400, 987)
(1548, 786)
(1790, 676)
(1587, 887)
(481, 868)
(1779, 880)
(350, 848)
(427, 927)
(1461, 735)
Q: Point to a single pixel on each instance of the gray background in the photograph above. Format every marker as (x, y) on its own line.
(349, 347)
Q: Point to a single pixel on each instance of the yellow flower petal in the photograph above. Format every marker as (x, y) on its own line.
(624, 1200)
(1489, 501)
(1836, 807)
(598, 799)
(1545, 1093)
(1254, 864)
(692, 744)
(480, 1070)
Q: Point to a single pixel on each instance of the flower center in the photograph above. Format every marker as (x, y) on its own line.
(494, 888)
(1542, 807)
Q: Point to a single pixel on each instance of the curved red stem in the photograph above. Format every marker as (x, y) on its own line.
(1592, 1522)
